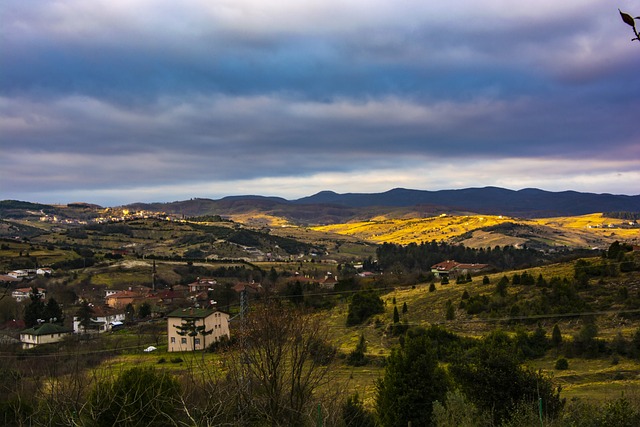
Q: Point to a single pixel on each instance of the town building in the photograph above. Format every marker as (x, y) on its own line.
(104, 319)
(192, 329)
(46, 333)
(452, 269)
(23, 294)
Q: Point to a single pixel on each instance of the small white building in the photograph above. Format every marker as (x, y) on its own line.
(46, 271)
(22, 294)
(103, 320)
(44, 334)
(192, 329)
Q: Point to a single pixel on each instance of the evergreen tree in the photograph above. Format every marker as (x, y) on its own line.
(396, 315)
(404, 308)
(52, 312)
(501, 286)
(354, 414)
(129, 312)
(144, 310)
(402, 395)
(191, 329)
(450, 311)
(556, 337)
(357, 357)
(35, 310)
(493, 379)
(84, 314)
(295, 293)
(363, 305)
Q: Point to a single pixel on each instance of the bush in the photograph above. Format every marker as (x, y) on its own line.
(364, 305)
(562, 364)
(138, 397)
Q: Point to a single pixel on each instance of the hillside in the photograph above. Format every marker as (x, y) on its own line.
(613, 303)
(586, 231)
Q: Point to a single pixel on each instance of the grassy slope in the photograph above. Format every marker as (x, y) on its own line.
(578, 231)
(593, 379)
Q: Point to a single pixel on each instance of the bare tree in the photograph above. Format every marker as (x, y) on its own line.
(284, 360)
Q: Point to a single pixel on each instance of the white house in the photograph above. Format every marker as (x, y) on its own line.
(103, 320)
(46, 271)
(22, 294)
(44, 334)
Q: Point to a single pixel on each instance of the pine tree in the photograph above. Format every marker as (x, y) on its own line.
(401, 395)
(35, 310)
(396, 315)
(556, 337)
(404, 308)
(84, 314)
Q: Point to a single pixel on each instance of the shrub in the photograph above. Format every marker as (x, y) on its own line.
(562, 364)
(362, 306)
(138, 396)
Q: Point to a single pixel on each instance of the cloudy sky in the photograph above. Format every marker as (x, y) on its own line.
(112, 101)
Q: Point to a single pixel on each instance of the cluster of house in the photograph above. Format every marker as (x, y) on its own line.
(209, 323)
(24, 274)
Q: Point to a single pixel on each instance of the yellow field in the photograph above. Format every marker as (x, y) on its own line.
(416, 230)
(582, 231)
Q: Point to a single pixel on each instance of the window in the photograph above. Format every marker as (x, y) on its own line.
(183, 340)
(173, 340)
(197, 341)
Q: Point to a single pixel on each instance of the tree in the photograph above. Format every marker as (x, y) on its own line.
(404, 308)
(357, 357)
(139, 396)
(193, 330)
(450, 311)
(556, 337)
(52, 312)
(144, 310)
(491, 376)
(396, 315)
(85, 314)
(402, 396)
(501, 287)
(362, 306)
(456, 411)
(35, 310)
(129, 312)
(295, 292)
(630, 20)
(278, 376)
(354, 413)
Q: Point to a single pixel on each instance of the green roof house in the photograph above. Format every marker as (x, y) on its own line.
(43, 334)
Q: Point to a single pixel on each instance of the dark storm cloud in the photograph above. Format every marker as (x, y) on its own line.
(108, 95)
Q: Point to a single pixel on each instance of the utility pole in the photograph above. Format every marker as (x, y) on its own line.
(153, 276)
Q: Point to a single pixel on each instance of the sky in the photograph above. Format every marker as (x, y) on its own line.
(114, 102)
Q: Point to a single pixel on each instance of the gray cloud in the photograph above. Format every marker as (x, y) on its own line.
(131, 96)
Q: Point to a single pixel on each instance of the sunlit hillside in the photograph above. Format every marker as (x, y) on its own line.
(487, 231)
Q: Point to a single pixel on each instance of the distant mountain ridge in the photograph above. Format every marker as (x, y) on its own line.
(331, 207)
(489, 200)
(327, 207)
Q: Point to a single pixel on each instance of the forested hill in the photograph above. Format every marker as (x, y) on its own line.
(489, 200)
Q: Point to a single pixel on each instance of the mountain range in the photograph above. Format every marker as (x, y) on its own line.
(328, 207)
(331, 207)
